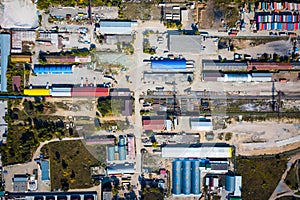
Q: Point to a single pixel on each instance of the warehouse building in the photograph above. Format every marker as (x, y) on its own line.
(234, 185)
(37, 92)
(116, 27)
(169, 64)
(75, 195)
(5, 52)
(203, 150)
(60, 91)
(89, 92)
(184, 43)
(257, 66)
(216, 65)
(124, 168)
(261, 77)
(201, 124)
(52, 69)
(240, 77)
(212, 76)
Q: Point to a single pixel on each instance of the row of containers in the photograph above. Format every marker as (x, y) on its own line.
(277, 17)
(262, 5)
(278, 26)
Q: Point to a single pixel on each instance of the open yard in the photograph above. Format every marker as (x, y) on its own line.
(70, 164)
(29, 124)
(260, 175)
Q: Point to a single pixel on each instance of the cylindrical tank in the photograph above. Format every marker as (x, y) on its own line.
(186, 177)
(177, 176)
(110, 153)
(122, 152)
(196, 177)
(121, 140)
(229, 185)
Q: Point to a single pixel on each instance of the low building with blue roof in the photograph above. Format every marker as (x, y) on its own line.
(4, 52)
(52, 69)
(45, 170)
(169, 64)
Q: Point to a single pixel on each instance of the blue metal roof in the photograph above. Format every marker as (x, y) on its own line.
(168, 64)
(53, 69)
(45, 170)
(5, 52)
(116, 23)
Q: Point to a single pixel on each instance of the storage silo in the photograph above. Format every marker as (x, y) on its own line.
(122, 152)
(110, 152)
(121, 140)
(186, 178)
(177, 176)
(196, 177)
(230, 182)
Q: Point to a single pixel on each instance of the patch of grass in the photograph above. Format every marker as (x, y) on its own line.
(291, 179)
(70, 164)
(28, 127)
(260, 175)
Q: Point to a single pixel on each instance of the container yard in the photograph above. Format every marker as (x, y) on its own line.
(277, 20)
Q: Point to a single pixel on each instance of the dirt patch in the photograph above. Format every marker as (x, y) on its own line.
(211, 13)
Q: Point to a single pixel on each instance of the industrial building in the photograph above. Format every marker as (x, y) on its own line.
(124, 168)
(52, 69)
(234, 185)
(119, 152)
(184, 43)
(3, 123)
(45, 170)
(52, 59)
(261, 77)
(80, 195)
(169, 64)
(5, 52)
(20, 182)
(201, 124)
(216, 65)
(60, 92)
(187, 174)
(89, 92)
(202, 150)
(19, 37)
(153, 124)
(264, 66)
(37, 92)
(131, 146)
(237, 77)
(19, 58)
(116, 27)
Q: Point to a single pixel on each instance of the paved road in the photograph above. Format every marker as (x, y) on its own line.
(281, 182)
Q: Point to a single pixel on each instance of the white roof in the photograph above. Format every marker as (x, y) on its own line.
(195, 152)
(238, 186)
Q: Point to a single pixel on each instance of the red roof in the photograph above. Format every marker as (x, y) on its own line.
(89, 92)
(268, 66)
(154, 124)
(16, 82)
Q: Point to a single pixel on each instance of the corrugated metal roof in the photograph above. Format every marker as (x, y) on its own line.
(168, 64)
(52, 69)
(37, 92)
(217, 65)
(89, 92)
(126, 168)
(116, 27)
(5, 52)
(196, 151)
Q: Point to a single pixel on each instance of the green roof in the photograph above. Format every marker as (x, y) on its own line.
(235, 198)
